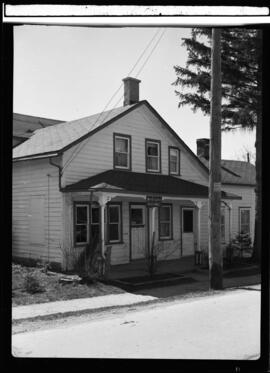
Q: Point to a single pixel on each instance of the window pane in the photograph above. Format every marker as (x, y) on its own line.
(152, 149)
(121, 159)
(174, 160)
(113, 214)
(245, 216)
(81, 233)
(173, 167)
(188, 221)
(81, 216)
(95, 215)
(165, 213)
(94, 233)
(113, 232)
(152, 163)
(245, 221)
(165, 229)
(136, 216)
(121, 145)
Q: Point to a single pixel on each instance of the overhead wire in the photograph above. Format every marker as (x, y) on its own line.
(130, 72)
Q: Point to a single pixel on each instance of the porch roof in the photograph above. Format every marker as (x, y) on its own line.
(143, 183)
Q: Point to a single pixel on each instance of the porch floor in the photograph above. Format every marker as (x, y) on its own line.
(139, 268)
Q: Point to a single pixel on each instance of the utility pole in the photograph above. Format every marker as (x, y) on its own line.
(215, 251)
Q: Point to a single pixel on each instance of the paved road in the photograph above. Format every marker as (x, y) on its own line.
(222, 326)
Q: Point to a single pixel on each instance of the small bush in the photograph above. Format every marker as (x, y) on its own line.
(32, 285)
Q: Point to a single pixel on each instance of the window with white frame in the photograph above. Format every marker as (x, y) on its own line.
(244, 220)
(152, 156)
(222, 224)
(122, 151)
(81, 223)
(165, 222)
(174, 161)
(114, 223)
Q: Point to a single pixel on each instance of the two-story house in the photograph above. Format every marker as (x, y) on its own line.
(123, 177)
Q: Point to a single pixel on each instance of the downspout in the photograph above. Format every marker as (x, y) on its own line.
(60, 169)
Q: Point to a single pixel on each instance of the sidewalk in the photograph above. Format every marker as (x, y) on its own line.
(51, 310)
(69, 307)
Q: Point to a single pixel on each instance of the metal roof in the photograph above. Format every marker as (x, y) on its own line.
(144, 183)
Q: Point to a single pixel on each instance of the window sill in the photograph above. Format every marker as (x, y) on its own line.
(166, 239)
(114, 243)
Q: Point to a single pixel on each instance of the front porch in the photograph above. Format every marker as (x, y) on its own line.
(138, 268)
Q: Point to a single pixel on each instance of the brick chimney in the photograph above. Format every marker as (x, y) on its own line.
(203, 148)
(131, 91)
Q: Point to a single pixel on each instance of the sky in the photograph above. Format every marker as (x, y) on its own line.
(66, 73)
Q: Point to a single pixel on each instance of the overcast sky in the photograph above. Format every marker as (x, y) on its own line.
(66, 73)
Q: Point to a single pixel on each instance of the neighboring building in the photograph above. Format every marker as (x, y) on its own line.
(25, 125)
(103, 176)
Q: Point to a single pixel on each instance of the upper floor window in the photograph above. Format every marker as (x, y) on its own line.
(153, 156)
(174, 161)
(122, 158)
(244, 220)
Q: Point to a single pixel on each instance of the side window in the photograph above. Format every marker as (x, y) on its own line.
(81, 224)
(114, 224)
(222, 224)
(174, 161)
(244, 220)
(153, 157)
(165, 222)
(122, 146)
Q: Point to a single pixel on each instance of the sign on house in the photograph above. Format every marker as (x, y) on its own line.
(153, 201)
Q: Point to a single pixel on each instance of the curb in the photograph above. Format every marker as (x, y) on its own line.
(58, 315)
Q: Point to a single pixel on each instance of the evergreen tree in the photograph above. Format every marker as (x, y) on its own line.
(241, 56)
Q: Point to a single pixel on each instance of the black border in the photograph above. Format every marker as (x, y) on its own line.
(163, 365)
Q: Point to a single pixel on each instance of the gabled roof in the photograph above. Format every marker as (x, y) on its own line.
(236, 172)
(25, 125)
(144, 183)
(60, 136)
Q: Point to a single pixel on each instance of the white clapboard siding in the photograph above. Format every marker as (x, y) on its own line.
(248, 200)
(95, 154)
(35, 234)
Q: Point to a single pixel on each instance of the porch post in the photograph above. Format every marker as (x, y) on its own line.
(199, 205)
(230, 221)
(103, 198)
(153, 228)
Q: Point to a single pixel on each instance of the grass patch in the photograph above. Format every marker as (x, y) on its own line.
(31, 285)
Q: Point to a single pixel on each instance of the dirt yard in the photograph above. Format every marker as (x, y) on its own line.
(32, 285)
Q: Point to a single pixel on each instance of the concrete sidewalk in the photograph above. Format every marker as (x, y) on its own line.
(69, 307)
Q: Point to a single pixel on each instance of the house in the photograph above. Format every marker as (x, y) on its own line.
(25, 125)
(122, 177)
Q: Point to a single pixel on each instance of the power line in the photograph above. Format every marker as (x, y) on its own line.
(134, 66)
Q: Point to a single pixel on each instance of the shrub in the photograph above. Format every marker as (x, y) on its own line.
(32, 284)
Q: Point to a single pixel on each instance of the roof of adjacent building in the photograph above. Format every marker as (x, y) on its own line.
(57, 137)
(25, 125)
(235, 172)
(143, 183)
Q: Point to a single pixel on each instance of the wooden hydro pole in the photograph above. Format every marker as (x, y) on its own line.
(215, 251)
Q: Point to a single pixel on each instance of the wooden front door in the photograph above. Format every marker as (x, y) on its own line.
(187, 231)
(138, 231)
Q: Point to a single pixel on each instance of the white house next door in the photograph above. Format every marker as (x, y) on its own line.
(138, 231)
(187, 231)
